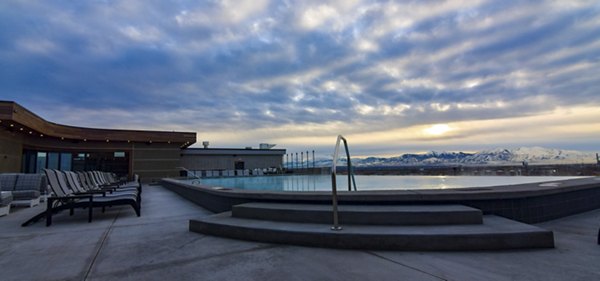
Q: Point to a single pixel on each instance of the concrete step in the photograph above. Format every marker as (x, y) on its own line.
(495, 233)
(361, 214)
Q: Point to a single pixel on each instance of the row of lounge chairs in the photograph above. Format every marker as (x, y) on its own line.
(93, 189)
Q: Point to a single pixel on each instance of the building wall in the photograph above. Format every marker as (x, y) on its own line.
(227, 162)
(150, 161)
(151, 154)
(155, 161)
(11, 147)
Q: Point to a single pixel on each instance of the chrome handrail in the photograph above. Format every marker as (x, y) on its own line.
(194, 176)
(336, 225)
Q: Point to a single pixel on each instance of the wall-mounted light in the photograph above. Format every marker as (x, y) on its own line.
(41, 135)
(84, 139)
(12, 125)
(30, 132)
(107, 141)
(21, 129)
(62, 138)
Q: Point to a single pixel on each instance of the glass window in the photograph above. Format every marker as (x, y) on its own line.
(65, 161)
(24, 163)
(31, 159)
(78, 163)
(53, 160)
(113, 161)
(41, 162)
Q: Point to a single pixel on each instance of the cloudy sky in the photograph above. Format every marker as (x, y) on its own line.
(392, 76)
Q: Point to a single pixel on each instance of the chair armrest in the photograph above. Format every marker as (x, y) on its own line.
(74, 196)
(51, 199)
(92, 192)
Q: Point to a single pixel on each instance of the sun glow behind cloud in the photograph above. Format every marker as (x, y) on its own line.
(464, 135)
(437, 129)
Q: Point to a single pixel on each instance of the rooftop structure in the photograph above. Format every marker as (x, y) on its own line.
(201, 159)
(29, 143)
(16, 118)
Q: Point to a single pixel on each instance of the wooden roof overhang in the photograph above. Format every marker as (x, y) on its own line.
(16, 118)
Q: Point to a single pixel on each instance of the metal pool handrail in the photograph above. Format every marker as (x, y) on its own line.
(336, 225)
(194, 176)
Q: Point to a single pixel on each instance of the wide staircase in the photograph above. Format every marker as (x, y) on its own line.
(381, 227)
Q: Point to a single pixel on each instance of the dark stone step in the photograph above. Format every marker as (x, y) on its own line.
(361, 214)
(495, 233)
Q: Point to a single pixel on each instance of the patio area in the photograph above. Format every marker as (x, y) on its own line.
(117, 245)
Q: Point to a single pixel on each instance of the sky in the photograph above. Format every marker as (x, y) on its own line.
(393, 77)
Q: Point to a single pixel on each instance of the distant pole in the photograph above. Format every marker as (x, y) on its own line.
(313, 158)
(307, 159)
(302, 160)
(597, 159)
(296, 159)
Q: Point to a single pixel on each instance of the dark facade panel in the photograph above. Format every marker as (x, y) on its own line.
(228, 162)
(11, 147)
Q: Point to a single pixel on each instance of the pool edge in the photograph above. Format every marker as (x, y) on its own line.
(528, 203)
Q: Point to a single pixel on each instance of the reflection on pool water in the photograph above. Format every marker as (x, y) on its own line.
(323, 182)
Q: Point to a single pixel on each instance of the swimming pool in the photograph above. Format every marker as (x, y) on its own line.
(300, 183)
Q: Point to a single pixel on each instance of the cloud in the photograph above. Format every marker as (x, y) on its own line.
(302, 72)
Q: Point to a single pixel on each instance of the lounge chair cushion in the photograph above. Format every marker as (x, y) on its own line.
(29, 182)
(7, 181)
(25, 194)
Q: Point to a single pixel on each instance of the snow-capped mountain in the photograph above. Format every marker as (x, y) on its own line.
(500, 156)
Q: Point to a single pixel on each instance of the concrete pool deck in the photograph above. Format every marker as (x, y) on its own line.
(118, 245)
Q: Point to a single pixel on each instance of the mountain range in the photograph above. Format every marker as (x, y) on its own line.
(500, 156)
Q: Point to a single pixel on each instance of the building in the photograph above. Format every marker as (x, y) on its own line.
(202, 159)
(28, 144)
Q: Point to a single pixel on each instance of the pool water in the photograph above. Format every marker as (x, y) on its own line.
(323, 182)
